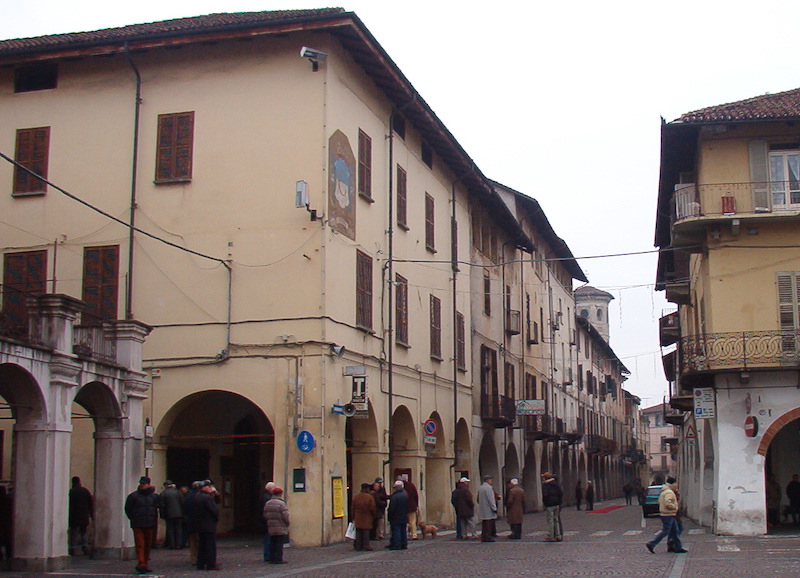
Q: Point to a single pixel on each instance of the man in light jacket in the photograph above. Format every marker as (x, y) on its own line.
(487, 509)
(668, 509)
(276, 513)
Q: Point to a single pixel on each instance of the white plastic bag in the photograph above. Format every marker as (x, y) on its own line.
(351, 531)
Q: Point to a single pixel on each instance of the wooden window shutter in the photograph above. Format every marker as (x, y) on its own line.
(363, 290)
(436, 327)
(364, 164)
(100, 284)
(32, 152)
(487, 293)
(789, 310)
(401, 310)
(461, 342)
(430, 242)
(402, 199)
(175, 145)
(759, 175)
(24, 274)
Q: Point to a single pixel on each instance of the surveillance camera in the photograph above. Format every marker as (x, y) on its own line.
(313, 54)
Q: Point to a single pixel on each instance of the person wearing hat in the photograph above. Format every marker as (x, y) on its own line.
(465, 508)
(172, 512)
(276, 513)
(398, 517)
(381, 501)
(515, 508)
(190, 515)
(266, 497)
(363, 511)
(141, 508)
(206, 518)
(487, 509)
(551, 499)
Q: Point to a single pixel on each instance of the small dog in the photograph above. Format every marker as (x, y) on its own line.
(428, 529)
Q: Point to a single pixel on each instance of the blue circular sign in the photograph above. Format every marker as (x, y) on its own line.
(430, 427)
(305, 441)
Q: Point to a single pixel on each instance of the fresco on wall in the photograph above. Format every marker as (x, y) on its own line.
(341, 185)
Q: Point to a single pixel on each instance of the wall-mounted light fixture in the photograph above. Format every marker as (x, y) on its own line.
(314, 55)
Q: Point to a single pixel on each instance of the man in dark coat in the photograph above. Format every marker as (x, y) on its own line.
(413, 504)
(207, 516)
(551, 499)
(589, 495)
(578, 494)
(363, 512)
(793, 493)
(141, 507)
(266, 497)
(190, 515)
(465, 508)
(515, 509)
(81, 511)
(381, 501)
(398, 517)
(172, 513)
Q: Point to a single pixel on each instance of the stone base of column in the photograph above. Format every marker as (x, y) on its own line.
(40, 564)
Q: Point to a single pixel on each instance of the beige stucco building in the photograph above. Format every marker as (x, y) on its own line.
(335, 291)
(727, 228)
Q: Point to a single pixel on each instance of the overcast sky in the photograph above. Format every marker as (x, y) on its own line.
(561, 101)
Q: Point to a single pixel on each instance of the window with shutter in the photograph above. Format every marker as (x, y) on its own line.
(430, 242)
(436, 327)
(488, 371)
(461, 342)
(364, 164)
(784, 176)
(24, 274)
(789, 310)
(32, 152)
(175, 145)
(487, 293)
(401, 310)
(510, 380)
(100, 284)
(402, 199)
(363, 290)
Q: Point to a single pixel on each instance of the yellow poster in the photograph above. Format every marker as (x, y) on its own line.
(337, 504)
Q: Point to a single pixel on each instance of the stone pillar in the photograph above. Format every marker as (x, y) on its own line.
(132, 446)
(130, 337)
(52, 318)
(111, 485)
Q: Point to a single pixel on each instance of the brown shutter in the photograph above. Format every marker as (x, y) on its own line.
(100, 283)
(175, 145)
(24, 274)
(363, 290)
(461, 342)
(33, 146)
(429, 230)
(436, 327)
(401, 310)
(364, 164)
(402, 202)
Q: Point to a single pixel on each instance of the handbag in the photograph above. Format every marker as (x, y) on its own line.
(351, 531)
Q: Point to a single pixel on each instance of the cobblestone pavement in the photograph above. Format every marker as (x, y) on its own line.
(607, 542)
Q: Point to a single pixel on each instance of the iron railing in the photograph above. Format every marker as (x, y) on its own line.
(538, 426)
(597, 444)
(712, 200)
(95, 342)
(500, 408)
(738, 350)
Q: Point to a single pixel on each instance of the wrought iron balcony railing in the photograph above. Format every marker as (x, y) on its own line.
(597, 444)
(539, 426)
(499, 408)
(738, 351)
(727, 199)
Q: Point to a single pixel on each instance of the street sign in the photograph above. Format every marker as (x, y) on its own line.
(359, 388)
(430, 427)
(751, 426)
(530, 407)
(690, 432)
(704, 403)
(430, 440)
(305, 441)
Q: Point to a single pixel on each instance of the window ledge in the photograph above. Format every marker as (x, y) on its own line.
(430, 249)
(404, 226)
(29, 194)
(402, 344)
(365, 197)
(171, 181)
(437, 358)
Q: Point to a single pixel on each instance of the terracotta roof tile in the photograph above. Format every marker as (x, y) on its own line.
(179, 26)
(765, 107)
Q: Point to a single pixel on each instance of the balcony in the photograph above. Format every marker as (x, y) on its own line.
(513, 322)
(499, 409)
(95, 342)
(738, 351)
(669, 328)
(571, 430)
(539, 427)
(728, 205)
(597, 444)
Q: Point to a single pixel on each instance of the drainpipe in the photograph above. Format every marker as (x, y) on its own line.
(134, 165)
(390, 292)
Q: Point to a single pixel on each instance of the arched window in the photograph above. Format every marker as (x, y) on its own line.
(584, 313)
(599, 314)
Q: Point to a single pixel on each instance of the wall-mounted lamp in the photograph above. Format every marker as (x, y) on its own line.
(314, 55)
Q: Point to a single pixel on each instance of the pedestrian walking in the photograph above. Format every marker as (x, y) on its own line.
(793, 493)
(363, 510)
(578, 494)
(453, 500)
(265, 497)
(515, 509)
(381, 498)
(627, 491)
(465, 508)
(667, 509)
(552, 498)
(276, 513)
(141, 508)
(190, 515)
(487, 509)
(589, 496)
(413, 505)
(678, 522)
(81, 512)
(171, 505)
(398, 517)
(206, 518)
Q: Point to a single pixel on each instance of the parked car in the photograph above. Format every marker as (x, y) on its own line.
(650, 504)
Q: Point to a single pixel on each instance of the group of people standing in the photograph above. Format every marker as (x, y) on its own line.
(774, 495)
(191, 517)
(582, 493)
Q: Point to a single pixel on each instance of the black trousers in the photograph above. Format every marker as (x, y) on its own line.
(206, 550)
(276, 548)
(487, 530)
(516, 531)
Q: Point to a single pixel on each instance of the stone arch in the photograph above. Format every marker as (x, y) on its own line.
(487, 457)
(463, 457)
(530, 479)
(775, 427)
(22, 393)
(224, 436)
(436, 508)
(511, 463)
(364, 455)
